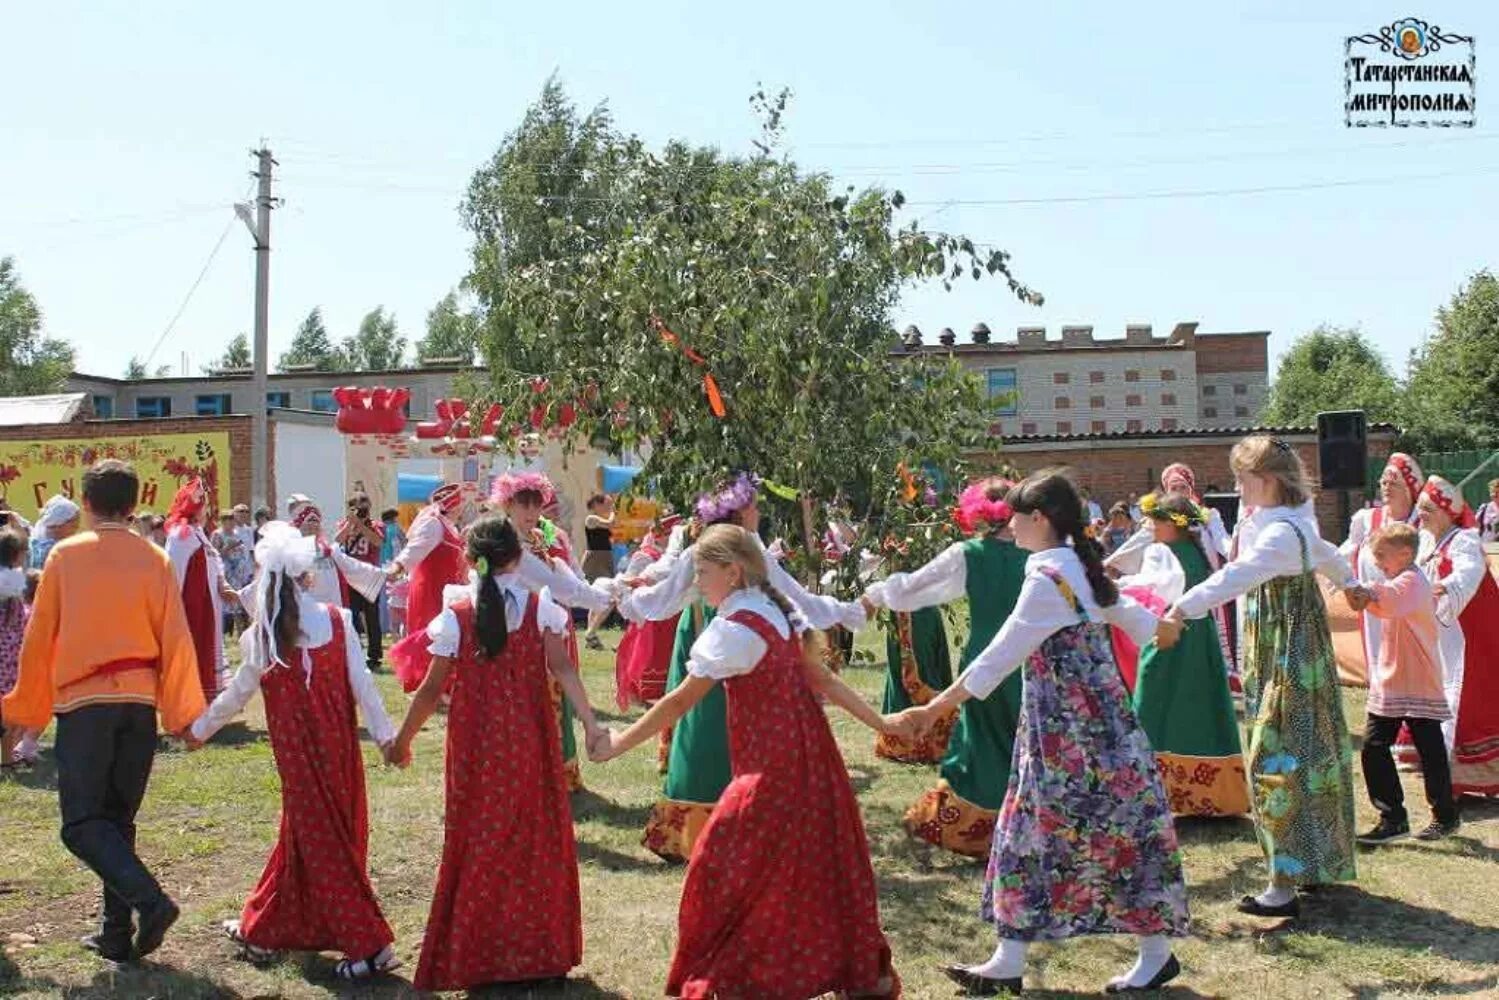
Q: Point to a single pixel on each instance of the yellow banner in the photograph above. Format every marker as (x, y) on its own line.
(32, 471)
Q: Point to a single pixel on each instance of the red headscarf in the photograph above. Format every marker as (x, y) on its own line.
(1450, 500)
(448, 497)
(1177, 476)
(189, 502)
(306, 512)
(1410, 472)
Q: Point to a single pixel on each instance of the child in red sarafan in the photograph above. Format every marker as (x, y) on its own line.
(506, 907)
(765, 913)
(305, 660)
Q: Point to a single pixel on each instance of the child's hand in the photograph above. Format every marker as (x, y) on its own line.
(397, 754)
(870, 611)
(1359, 597)
(603, 746)
(188, 740)
(1168, 631)
(1439, 590)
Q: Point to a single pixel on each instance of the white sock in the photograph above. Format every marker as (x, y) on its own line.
(1155, 952)
(1276, 895)
(1007, 962)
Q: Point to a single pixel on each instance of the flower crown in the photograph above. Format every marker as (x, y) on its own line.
(737, 494)
(976, 511)
(507, 486)
(1150, 506)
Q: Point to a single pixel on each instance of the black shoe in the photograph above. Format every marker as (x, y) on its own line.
(153, 926)
(976, 985)
(1168, 972)
(1255, 908)
(114, 948)
(1385, 831)
(1437, 830)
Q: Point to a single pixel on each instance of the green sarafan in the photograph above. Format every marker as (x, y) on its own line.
(715, 312)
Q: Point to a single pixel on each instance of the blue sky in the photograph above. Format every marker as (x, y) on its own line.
(127, 126)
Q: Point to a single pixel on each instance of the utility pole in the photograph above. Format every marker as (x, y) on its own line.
(260, 232)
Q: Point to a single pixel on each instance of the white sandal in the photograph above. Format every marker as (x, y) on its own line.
(357, 970)
(248, 950)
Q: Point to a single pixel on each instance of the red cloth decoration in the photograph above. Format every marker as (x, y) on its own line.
(315, 893)
(202, 622)
(507, 906)
(443, 566)
(710, 384)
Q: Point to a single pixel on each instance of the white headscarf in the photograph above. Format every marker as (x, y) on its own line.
(282, 551)
(56, 512)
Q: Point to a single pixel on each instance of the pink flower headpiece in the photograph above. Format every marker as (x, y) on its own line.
(737, 494)
(507, 486)
(976, 512)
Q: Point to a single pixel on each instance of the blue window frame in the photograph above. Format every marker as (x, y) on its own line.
(212, 404)
(322, 401)
(104, 407)
(147, 407)
(1003, 391)
(278, 400)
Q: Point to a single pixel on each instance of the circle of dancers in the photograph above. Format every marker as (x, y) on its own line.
(1094, 703)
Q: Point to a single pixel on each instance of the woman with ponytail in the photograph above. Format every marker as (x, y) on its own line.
(506, 907)
(764, 914)
(1084, 842)
(305, 660)
(959, 813)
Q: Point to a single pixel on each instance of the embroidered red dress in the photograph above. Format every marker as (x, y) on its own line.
(764, 914)
(506, 908)
(644, 655)
(442, 567)
(315, 893)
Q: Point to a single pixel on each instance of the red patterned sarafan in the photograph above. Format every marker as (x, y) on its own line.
(764, 914)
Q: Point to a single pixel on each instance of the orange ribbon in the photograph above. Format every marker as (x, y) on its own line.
(710, 384)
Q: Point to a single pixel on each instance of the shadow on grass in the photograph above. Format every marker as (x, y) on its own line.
(140, 979)
(615, 861)
(238, 734)
(39, 775)
(1347, 913)
(583, 986)
(1474, 987)
(589, 805)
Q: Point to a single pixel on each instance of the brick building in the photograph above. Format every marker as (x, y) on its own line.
(1080, 384)
(1115, 467)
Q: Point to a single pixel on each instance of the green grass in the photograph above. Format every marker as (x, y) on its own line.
(1422, 921)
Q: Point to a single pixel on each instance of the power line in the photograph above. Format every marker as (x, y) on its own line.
(202, 273)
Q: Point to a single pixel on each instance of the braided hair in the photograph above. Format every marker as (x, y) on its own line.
(1056, 496)
(492, 545)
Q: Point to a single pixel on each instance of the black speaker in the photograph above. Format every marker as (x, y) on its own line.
(1343, 450)
(1227, 506)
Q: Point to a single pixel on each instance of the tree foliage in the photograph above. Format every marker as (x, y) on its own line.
(1452, 395)
(236, 355)
(311, 345)
(30, 364)
(378, 346)
(135, 370)
(634, 290)
(452, 331)
(1331, 368)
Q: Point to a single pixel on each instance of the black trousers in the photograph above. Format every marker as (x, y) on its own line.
(367, 623)
(1384, 782)
(104, 756)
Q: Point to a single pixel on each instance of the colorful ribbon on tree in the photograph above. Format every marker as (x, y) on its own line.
(710, 384)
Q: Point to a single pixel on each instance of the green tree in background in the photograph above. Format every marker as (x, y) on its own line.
(378, 346)
(135, 370)
(311, 345)
(730, 312)
(452, 331)
(1331, 368)
(30, 364)
(236, 355)
(1452, 394)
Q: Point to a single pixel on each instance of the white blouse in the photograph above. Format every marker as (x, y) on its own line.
(667, 597)
(564, 585)
(727, 649)
(445, 634)
(316, 632)
(1041, 611)
(941, 581)
(1469, 564)
(426, 533)
(12, 582)
(1160, 572)
(1268, 548)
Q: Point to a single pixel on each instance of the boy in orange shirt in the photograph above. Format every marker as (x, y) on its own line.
(1405, 687)
(105, 685)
